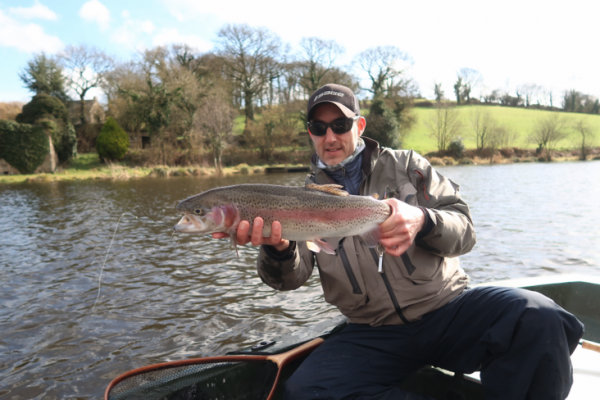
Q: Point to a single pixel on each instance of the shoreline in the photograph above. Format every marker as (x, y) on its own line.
(96, 171)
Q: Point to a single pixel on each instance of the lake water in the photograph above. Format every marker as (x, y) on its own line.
(168, 297)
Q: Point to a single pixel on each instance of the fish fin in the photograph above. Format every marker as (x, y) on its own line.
(233, 241)
(371, 238)
(312, 246)
(375, 196)
(329, 189)
(320, 244)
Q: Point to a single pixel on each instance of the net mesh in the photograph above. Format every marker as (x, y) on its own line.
(215, 381)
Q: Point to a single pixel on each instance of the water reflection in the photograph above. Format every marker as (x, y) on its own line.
(167, 297)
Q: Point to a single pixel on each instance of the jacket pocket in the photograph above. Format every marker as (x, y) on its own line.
(342, 281)
(420, 266)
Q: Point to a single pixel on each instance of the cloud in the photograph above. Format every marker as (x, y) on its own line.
(36, 11)
(172, 36)
(94, 11)
(133, 33)
(27, 37)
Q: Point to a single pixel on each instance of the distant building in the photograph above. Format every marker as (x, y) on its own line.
(93, 112)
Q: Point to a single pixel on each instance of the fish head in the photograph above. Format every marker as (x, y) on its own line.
(204, 217)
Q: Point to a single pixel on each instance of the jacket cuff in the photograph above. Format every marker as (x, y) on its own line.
(427, 225)
(276, 255)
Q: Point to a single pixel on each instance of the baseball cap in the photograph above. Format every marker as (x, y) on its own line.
(339, 95)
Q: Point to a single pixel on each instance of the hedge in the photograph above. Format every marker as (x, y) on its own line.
(52, 114)
(23, 146)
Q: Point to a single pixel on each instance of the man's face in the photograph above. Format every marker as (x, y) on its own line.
(333, 148)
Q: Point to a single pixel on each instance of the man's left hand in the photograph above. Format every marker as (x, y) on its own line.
(400, 229)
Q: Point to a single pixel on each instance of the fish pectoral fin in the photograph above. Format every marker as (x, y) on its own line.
(371, 238)
(317, 245)
(329, 189)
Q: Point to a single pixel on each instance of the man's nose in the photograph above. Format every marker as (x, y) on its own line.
(330, 136)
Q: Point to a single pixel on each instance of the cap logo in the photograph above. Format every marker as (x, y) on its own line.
(329, 92)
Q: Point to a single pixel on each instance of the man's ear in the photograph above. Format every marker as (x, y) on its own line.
(362, 125)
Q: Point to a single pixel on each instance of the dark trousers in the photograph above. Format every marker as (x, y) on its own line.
(521, 341)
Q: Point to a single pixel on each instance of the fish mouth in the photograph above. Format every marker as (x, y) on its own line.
(190, 224)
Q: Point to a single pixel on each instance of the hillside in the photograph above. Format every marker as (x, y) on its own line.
(522, 120)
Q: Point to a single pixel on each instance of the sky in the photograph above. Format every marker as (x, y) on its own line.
(549, 43)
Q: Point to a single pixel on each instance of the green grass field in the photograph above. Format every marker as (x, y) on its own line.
(521, 120)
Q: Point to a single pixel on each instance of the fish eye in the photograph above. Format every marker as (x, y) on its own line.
(198, 211)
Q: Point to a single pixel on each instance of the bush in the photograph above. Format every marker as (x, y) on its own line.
(456, 148)
(113, 142)
(382, 125)
(448, 161)
(465, 161)
(436, 161)
(24, 146)
(424, 104)
(52, 114)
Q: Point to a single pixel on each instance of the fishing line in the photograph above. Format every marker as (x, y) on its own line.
(106, 257)
(110, 245)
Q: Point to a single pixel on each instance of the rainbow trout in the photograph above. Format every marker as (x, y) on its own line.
(308, 213)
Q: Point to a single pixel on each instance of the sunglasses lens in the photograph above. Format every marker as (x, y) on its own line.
(318, 128)
(342, 125)
(339, 126)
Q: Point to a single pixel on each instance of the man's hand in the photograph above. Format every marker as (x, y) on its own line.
(256, 237)
(399, 230)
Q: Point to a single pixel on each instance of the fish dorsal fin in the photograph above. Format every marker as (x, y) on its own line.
(334, 189)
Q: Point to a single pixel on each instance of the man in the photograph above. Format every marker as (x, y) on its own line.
(416, 309)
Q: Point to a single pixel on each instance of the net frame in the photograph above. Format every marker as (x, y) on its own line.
(135, 379)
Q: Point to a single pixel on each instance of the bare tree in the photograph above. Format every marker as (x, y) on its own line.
(482, 125)
(499, 137)
(250, 56)
(444, 125)
(586, 136)
(86, 68)
(216, 125)
(547, 132)
(383, 65)
(530, 91)
(470, 79)
(316, 58)
(439, 93)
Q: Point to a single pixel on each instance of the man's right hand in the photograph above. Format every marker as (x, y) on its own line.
(256, 237)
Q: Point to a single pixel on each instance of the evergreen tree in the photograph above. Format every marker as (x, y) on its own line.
(44, 75)
(113, 141)
(382, 125)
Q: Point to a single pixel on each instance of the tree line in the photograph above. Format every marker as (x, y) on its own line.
(526, 95)
(181, 97)
(185, 99)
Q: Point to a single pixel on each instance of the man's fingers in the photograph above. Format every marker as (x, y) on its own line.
(275, 232)
(242, 232)
(257, 231)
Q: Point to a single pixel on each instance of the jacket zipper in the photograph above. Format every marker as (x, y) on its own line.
(389, 288)
(348, 269)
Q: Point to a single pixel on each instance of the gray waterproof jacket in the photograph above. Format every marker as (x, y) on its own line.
(424, 278)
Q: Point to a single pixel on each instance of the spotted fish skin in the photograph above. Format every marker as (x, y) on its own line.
(305, 213)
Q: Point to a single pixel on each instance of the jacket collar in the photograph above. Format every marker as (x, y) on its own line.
(369, 159)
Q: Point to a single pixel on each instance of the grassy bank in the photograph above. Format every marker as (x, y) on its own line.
(88, 167)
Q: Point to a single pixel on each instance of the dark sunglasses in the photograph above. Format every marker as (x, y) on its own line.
(339, 126)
